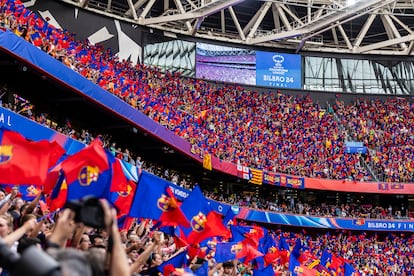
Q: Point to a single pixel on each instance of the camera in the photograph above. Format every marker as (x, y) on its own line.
(33, 261)
(88, 211)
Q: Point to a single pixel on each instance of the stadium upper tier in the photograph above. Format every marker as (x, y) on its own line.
(271, 131)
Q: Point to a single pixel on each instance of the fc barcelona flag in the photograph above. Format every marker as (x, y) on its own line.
(154, 200)
(94, 172)
(204, 223)
(86, 164)
(226, 251)
(123, 200)
(23, 162)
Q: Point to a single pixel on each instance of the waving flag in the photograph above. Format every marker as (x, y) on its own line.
(23, 162)
(88, 172)
(154, 200)
(230, 215)
(264, 272)
(283, 245)
(226, 251)
(326, 258)
(294, 265)
(169, 266)
(236, 250)
(119, 182)
(204, 222)
(86, 164)
(202, 270)
(123, 200)
(247, 234)
(349, 270)
(58, 196)
(26, 192)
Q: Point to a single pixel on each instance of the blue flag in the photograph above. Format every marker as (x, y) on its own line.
(204, 222)
(349, 269)
(202, 270)
(154, 200)
(294, 265)
(226, 251)
(283, 245)
(264, 272)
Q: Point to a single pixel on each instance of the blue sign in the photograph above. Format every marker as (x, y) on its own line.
(362, 150)
(278, 70)
(355, 147)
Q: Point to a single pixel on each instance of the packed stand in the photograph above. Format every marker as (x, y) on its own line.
(386, 128)
(279, 203)
(271, 131)
(139, 248)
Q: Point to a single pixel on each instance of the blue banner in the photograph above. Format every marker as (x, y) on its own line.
(278, 70)
(327, 223)
(35, 131)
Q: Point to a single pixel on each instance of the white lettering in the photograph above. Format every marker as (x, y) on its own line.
(5, 119)
(281, 79)
(377, 225)
(178, 192)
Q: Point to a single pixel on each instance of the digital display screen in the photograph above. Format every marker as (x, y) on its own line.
(246, 66)
(278, 70)
(226, 64)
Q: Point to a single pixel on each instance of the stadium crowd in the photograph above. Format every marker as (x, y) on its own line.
(271, 131)
(270, 123)
(276, 202)
(386, 127)
(275, 132)
(139, 247)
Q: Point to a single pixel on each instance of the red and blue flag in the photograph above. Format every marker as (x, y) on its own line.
(204, 222)
(23, 162)
(155, 200)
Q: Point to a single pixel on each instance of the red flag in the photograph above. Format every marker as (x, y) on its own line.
(251, 253)
(119, 183)
(213, 226)
(125, 222)
(56, 152)
(51, 179)
(271, 256)
(23, 161)
(59, 195)
(205, 223)
(123, 200)
(93, 156)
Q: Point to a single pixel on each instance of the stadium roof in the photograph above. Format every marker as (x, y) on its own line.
(383, 27)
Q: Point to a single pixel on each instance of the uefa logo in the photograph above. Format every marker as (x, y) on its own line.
(278, 59)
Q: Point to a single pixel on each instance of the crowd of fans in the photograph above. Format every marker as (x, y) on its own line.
(271, 131)
(275, 132)
(138, 248)
(386, 127)
(275, 202)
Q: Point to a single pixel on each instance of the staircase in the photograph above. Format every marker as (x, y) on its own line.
(350, 136)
